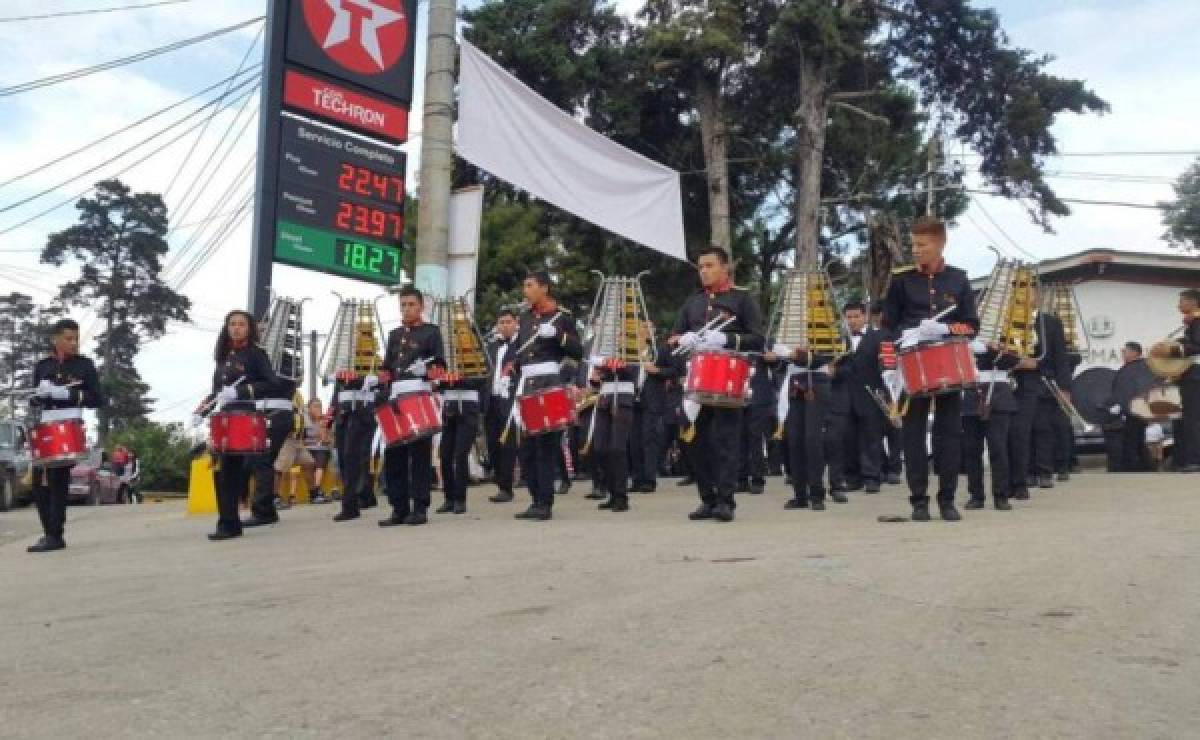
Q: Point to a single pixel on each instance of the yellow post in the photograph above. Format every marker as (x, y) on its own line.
(202, 492)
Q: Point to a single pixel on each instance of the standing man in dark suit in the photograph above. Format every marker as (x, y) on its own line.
(651, 445)
(757, 426)
(1189, 383)
(502, 454)
(1125, 435)
(859, 374)
(893, 449)
(1033, 438)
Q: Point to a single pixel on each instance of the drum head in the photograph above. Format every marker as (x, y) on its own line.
(1092, 391)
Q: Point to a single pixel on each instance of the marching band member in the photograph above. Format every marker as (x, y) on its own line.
(804, 408)
(460, 426)
(716, 445)
(858, 372)
(354, 424)
(549, 331)
(242, 376)
(917, 294)
(64, 384)
(1033, 435)
(1189, 383)
(893, 452)
(413, 348)
(278, 403)
(502, 452)
(988, 411)
(613, 382)
(660, 379)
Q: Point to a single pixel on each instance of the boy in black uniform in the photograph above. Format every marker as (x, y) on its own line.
(412, 349)
(1032, 440)
(859, 373)
(502, 454)
(613, 381)
(659, 376)
(64, 384)
(716, 446)
(460, 427)
(804, 407)
(549, 332)
(1189, 383)
(354, 425)
(987, 415)
(917, 294)
(893, 452)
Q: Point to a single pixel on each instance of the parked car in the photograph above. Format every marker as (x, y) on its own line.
(93, 482)
(15, 482)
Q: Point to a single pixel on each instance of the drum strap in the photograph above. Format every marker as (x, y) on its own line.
(408, 386)
(274, 404)
(539, 369)
(460, 395)
(61, 414)
(620, 387)
(993, 376)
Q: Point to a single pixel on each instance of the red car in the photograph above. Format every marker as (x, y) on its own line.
(93, 482)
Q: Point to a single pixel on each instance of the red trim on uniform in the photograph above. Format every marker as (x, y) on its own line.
(546, 306)
(724, 285)
(414, 324)
(933, 269)
(238, 343)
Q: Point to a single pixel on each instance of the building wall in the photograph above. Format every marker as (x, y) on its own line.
(1118, 312)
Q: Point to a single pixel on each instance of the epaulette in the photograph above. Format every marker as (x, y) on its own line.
(903, 270)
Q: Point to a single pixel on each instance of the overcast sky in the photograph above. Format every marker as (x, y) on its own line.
(1140, 56)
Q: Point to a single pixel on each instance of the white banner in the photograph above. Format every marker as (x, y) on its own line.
(515, 134)
(466, 218)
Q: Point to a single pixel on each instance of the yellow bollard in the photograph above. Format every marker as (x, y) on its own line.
(202, 491)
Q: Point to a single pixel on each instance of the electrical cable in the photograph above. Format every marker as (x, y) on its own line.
(91, 11)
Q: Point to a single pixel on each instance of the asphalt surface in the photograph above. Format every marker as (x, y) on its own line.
(1074, 616)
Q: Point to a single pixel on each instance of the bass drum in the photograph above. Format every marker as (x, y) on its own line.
(1092, 392)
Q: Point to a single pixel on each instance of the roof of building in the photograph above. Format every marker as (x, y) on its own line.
(1103, 263)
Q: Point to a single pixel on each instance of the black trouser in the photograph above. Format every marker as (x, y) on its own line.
(356, 432)
(714, 454)
(541, 455)
(864, 435)
(1126, 447)
(459, 430)
(806, 421)
(995, 430)
(1020, 441)
(947, 446)
(1189, 392)
(651, 446)
(839, 459)
(1064, 440)
(1045, 436)
(50, 495)
(610, 448)
(232, 478)
(503, 456)
(636, 449)
(408, 473)
(894, 459)
(279, 426)
(756, 426)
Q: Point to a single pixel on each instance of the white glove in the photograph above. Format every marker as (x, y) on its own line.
(910, 338)
(1115, 409)
(547, 331)
(713, 339)
(978, 347)
(890, 377)
(197, 420)
(60, 393)
(227, 394)
(418, 368)
(44, 389)
(782, 350)
(501, 387)
(689, 340)
(370, 382)
(691, 410)
(931, 329)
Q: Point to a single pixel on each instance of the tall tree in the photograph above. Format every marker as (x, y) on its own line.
(24, 339)
(1182, 216)
(120, 241)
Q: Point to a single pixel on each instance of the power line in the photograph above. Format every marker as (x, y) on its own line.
(92, 11)
(1003, 233)
(221, 202)
(219, 240)
(1085, 201)
(1168, 153)
(124, 129)
(24, 87)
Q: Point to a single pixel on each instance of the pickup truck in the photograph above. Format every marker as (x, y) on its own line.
(15, 484)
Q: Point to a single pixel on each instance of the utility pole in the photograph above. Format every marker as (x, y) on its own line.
(437, 151)
(312, 365)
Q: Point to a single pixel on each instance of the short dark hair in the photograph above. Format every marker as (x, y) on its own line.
(505, 312)
(63, 325)
(1134, 347)
(412, 290)
(876, 308)
(541, 277)
(721, 255)
(1192, 294)
(854, 306)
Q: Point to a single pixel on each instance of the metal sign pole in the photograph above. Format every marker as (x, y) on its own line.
(263, 244)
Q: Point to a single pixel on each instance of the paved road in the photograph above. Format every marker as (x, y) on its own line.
(1074, 616)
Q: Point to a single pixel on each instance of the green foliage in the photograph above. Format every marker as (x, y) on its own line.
(1182, 216)
(163, 451)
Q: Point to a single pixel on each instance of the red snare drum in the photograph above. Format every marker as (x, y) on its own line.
(409, 418)
(718, 378)
(547, 410)
(57, 444)
(237, 433)
(934, 368)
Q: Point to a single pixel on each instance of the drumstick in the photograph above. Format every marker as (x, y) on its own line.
(534, 338)
(707, 327)
(207, 407)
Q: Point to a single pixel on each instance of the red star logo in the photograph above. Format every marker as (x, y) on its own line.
(364, 36)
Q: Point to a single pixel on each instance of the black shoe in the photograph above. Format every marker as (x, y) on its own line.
(1063, 477)
(318, 498)
(417, 518)
(535, 513)
(564, 489)
(871, 488)
(259, 521)
(704, 512)
(395, 520)
(852, 487)
(596, 495)
(974, 503)
(893, 479)
(1002, 505)
(743, 487)
(1020, 494)
(1045, 481)
(818, 504)
(345, 516)
(460, 507)
(214, 537)
(756, 489)
(949, 513)
(445, 508)
(369, 503)
(1188, 469)
(796, 503)
(837, 497)
(621, 504)
(47, 544)
(501, 498)
(607, 504)
(839, 488)
(687, 480)
(920, 512)
(723, 513)
(282, 504)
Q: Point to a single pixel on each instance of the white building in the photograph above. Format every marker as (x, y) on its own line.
(1123, 296)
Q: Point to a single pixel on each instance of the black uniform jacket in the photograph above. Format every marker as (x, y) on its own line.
(78, 372)
(744, 333)
(1055, 362)
(406, 345)
(564, 344)
(251, 363)
(915, 294)
(858, 370)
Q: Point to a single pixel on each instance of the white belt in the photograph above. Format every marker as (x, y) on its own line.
(460, 395)
(274, 404)
(993, 376)
(351, 396)
(1195, 359)
(50, 415)
(617, 387)
(539, 369)
(413, 385)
